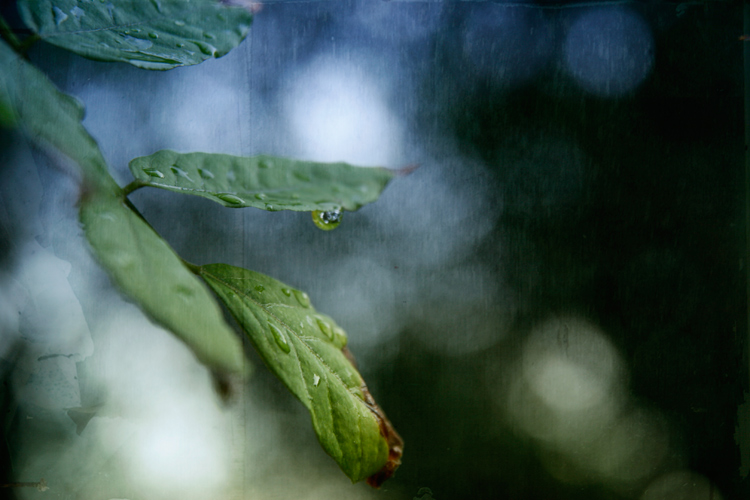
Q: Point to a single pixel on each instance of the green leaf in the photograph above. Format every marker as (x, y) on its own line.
(150, 34)
(264, 182)
(306, 350)
(50, 118)
(148, 270)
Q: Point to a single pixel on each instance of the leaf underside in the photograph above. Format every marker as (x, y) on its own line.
(306, 350)
(144, 266)
(265, 182)
(150, 34)
(50, 118)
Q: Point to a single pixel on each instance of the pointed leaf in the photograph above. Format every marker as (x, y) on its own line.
(150, 34)
(50, 118)
(264, 182)
(306, 350)
(149, 271)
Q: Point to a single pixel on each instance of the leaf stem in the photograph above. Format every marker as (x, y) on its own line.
(191, 267)
(136, 184)
(28, 42)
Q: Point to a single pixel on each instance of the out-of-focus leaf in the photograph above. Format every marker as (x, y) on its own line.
(150, 34)
(50, 118)
(144, 266)
(306, 350)
(265, 182)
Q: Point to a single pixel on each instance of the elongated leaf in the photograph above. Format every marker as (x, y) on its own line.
(150, 34)
(149, 271)
(306, 350)
(50, 118)
(265, 182)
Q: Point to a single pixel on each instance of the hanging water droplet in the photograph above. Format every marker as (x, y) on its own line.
(279, 337)
(153, 172)
(259, 288)
(316, 379)
(327, 220)
(230, 198)
(206, 174)
(325, 328)
(60, 16)
(271, 208)
(302, 298)
(286, 292)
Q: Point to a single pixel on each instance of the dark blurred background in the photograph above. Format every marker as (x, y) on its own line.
(553, 306)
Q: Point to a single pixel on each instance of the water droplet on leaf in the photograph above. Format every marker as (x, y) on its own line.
(153, 172)
(286, 292)
(265, 164)
(77, 12)
(316, 380)
(301, 176)
(325, 328)
(178, 171)
(180, 23)
(302, 298)
(153, 35)
(230, 198)
(327, 220)
(206, 174)
(138, 43)
(259, 288)
(279, 337)
(60, 16)
(261, 196)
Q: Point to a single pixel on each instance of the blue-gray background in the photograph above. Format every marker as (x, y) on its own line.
(551, 306)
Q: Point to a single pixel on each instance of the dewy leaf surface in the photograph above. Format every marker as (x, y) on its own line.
(150, 34)
(265, 182)
(49, 117)
(306, 350)
(148, 270)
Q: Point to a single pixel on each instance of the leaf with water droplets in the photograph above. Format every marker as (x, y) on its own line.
(146, 269)
(149, 34)
(307, 351)
(265, 182)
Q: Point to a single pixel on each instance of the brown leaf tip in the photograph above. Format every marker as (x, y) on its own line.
(395, 443)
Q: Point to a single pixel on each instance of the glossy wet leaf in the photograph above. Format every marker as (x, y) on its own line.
(306, 350)
(150, 34)
(145, 268)
(265, 182)
(50, 118)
